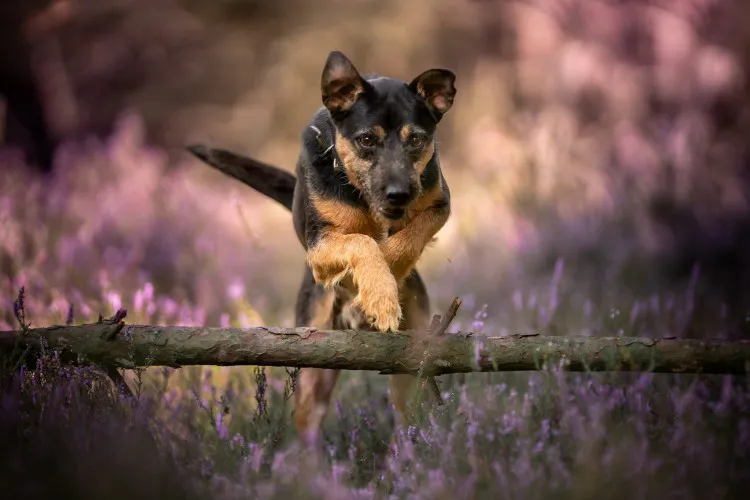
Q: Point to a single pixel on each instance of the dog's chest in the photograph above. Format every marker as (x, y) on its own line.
(348, 317)
(375, 226)
(392, 227)
(386, 227)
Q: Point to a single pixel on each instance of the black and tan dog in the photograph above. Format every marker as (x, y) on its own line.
(368, 197)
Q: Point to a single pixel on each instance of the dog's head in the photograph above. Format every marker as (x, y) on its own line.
(385, 129)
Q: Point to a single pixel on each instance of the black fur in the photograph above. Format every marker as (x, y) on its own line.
(273, 182)
(367, 157)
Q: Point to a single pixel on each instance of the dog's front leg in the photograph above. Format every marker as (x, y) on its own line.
(335, 255)
(403, 249)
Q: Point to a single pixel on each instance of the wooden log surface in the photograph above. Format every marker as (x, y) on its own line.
(113, 343)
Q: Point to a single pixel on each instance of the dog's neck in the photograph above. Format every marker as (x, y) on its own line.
(327, 146)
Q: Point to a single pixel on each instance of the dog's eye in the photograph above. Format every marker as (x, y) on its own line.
(417, 141)
(366, 140)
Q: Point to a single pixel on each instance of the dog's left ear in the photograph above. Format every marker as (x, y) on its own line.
(436, 87)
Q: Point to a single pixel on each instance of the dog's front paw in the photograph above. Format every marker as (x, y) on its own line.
(380, 304)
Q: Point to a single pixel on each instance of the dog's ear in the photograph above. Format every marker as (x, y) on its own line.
(436, 87)
(341, 83)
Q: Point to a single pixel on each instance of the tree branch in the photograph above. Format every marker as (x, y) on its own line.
(437, 328)
(128, 346)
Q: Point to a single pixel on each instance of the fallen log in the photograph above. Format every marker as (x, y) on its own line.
(112, 343)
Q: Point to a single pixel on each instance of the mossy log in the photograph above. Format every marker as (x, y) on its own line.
(113, 343)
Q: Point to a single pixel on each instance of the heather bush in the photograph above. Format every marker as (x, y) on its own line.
(596, 156)
(68, 430)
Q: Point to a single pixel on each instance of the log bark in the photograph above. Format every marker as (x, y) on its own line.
(112, 343)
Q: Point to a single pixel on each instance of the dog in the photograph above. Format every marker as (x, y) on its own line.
(367, 198)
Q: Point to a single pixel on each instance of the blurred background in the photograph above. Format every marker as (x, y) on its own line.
(597, 154)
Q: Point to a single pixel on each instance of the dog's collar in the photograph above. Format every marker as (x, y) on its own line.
(326, 148)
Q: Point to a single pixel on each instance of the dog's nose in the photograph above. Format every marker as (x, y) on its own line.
(397, 195)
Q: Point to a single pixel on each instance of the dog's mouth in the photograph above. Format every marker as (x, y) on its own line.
(393, 213)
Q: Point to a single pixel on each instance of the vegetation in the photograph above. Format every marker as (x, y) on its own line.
(597, 171)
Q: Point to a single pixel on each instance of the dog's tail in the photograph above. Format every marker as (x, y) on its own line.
(271, 181)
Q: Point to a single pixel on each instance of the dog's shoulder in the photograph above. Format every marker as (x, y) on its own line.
(326, 197)
(317, 166)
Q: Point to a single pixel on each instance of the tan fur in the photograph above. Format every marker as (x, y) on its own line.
(403, 386)
(353, 164)
(312, 397)
(413, 233)
(359, 260)
(427, 152)
(424, 157)
(405, 131)
(353, 253)
(356, 234)
(379, 132)
(337, 255)
(346, 218)
(315, 385)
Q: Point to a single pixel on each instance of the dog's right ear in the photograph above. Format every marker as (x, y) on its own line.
(341, 83)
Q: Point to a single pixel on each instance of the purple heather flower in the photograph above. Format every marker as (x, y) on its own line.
(221, 427)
